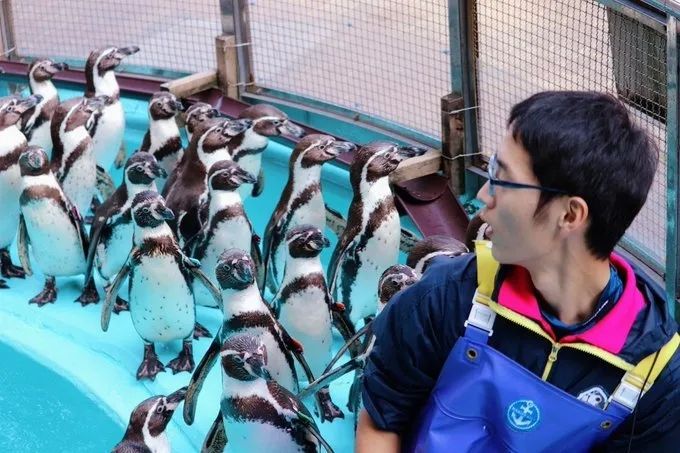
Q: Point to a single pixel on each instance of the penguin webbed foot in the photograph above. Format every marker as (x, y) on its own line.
(150, 365)
(7, 269)
(328, 410)
(48, 295)
(89, 294)
(184, 361)
(201, 332)
(3, 284)
(120, 305)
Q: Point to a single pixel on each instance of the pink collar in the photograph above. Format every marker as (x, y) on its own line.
(609, 333)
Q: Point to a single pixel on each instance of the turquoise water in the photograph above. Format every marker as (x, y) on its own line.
(67, 340)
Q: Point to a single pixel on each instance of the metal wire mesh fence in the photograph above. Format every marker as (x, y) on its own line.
(383, 58)
(525, 47)
(173, 35)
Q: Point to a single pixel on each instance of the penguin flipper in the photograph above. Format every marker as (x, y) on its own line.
(111, 294)
(105, 184)
(216, 439)
(198, 378)
(121, 156)
(95, 235)
(273, 228)
(308, 422)
(335, 221)
(348, 343)
(193, 266)
(258, 187)
(408, 240)
(256, 255)
(296, 348)
(23, 241)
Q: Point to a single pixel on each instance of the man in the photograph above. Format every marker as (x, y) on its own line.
(563, 333)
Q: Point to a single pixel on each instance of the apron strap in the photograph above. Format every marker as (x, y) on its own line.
(630, 389)
(487, 268)
(479, 325)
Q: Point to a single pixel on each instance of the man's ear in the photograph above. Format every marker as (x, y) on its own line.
(575, 214)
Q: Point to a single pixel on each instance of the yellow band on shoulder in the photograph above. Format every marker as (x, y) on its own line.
(487, 267)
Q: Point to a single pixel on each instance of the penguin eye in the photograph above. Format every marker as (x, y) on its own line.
(218, 130)
(159, 409)
(238, 359)
(145, 210)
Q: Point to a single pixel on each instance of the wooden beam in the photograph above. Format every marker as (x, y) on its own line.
(453, 141)
(227, 65)
(191, 84)
(415, 167)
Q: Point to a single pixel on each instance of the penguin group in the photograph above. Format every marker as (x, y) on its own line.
(176, 233)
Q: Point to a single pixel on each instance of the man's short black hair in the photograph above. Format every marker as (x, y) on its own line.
(586, 144)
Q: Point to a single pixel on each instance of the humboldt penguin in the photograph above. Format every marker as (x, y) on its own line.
(370, 242)
(301, 201)
(163, 139)
(304, 306)
(161, 304)
(36, 128)
(53, 227)
(12, 144)
(73, 162)
(225, 223)
(432, 246)
(190, 188)
(246, 312)
(112, 227)
(476, 230)
(268, 121)
(256, 411)
(146, 429)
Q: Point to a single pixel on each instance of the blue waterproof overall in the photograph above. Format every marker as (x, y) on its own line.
(486, 402)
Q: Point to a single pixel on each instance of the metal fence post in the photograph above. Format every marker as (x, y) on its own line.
(673, 171)
(7, 30)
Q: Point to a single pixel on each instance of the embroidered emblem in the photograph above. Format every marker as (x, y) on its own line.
(595, 396)
(523, 415)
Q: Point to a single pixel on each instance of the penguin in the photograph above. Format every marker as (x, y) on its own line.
(246, 150)
(476, 230)
(190, 188)
(163, 139)
(101, 80)
(198, 115)
(256, 411)
(301, 201)
(36, 128)
(145, 432)
(424, 250)
(226, 224)
(161, 303)
(52, 225)
(12, 144)
(304, 306)
(112, 227)
(246, 312)
(370, 242)
(74, 163)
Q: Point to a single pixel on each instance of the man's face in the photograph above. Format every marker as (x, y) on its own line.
(518, 237)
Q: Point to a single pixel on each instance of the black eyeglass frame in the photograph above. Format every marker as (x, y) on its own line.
(492, 170)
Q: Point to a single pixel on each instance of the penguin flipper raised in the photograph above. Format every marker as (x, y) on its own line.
(111, 294)
(23, 241)
(198, 378)
(216, 439)
(335, 221)
(194, 266)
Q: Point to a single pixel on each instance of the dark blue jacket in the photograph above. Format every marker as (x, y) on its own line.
(419, 326)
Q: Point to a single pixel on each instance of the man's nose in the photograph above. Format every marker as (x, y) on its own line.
(485, 197)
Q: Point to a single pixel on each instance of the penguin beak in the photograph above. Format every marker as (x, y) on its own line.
(243, 273)
(158, 171)
(290, 128)
(28, 103)
(338, 147)
(179, 106)
(165, 213)
(234, 127)
(410, 151)
(56, 67)
(245, 177)
(319, 242)
(214, 113)
(260, 370)
(175, 398)
(123, 52)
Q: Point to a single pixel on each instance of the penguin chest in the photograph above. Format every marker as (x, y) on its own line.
(40, 136)
(81, 180)
(255, 435)
(109, 134)
(10, 189)
(55, 241)
(112, 252)
(306, 317)
(161, 304)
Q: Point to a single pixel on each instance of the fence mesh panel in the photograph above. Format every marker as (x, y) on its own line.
(525, 47)
(173, 35)
(384, 58)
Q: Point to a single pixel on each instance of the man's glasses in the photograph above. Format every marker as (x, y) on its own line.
(493, 181)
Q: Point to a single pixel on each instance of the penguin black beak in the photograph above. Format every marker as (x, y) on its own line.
(243, 273)
(214, 113)
(179, 106)
(166, 213)
(234, 127)
(127, 51)
(158, 171)
(60, 66)
(290, 128)
(260, 370)
(28, 103)
(411, 151)
(246, 178)
(338, 147)
(177, 397)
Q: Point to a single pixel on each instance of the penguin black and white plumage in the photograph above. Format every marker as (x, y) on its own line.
(12, 144)
(101, 80)
(73, 162)
(163, 138)
(226, 224)
(190, 188)
(301, 201)
(36, 128)
(145, 432)
(304, 306)
(476, 230)
(197, 116)
(53, 227)
(112, 227)
(432, 246)
(161, 303)
(258, 413)
(246, 150)
(370, 242)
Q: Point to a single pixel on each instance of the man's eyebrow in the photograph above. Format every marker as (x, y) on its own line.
(501, 165)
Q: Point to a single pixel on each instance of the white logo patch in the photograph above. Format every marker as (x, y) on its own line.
(595, 396)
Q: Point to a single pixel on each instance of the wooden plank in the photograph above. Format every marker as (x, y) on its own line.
(227, 65)
(453, 141)
(191, 84)
(415, 167)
